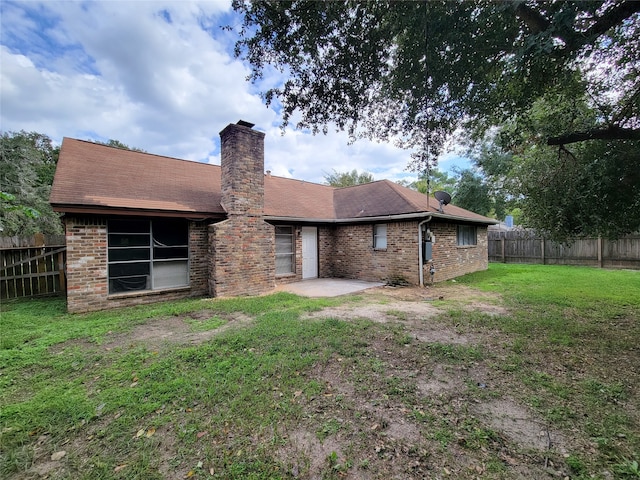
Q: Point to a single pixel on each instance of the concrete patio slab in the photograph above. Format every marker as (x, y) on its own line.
(327, 287)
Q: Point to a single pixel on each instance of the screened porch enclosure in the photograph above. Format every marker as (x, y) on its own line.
(147, 254)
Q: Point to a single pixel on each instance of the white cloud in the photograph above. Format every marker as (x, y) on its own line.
(154, 75)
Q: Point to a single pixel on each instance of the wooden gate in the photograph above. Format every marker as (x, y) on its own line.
(32, 266)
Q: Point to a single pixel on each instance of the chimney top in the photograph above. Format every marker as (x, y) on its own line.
(244, 123)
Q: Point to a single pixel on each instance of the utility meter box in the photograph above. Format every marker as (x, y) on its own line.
(427, 248)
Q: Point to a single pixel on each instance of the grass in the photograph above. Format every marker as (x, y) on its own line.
(574, 332)
(231, 406)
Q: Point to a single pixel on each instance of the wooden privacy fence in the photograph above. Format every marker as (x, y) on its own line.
(522, 246)
(32, 266)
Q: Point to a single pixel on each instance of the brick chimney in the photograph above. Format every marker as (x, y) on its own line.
(242, 165)
(242, 247)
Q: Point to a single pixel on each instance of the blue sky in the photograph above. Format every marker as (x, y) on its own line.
(160, 76)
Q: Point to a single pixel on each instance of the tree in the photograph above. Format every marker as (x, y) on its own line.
(472, 193)
(118, 144)
(589, 190)
(431, 182)
(417, 72)
(347, 179)
(27, 165)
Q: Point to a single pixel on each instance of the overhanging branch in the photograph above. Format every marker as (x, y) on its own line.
(609, 133)
(613, 17)
(575, 39)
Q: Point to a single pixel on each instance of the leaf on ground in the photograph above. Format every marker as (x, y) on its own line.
(58, 455)
(201, 434)
(139, 433)
(120, 467)
(190, 474)
(150, 432)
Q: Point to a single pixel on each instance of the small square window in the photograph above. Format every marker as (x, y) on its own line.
(467, 235)
(380, 236)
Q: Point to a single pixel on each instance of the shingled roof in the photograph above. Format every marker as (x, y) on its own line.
(94, 178)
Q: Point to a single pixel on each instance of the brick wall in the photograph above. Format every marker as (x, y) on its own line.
(242, 257)
(355, 257)
(242, 248)
(87, 255)
(327, 251)
(198, 264)
(346, 251)
(242, 170)
(86, 266)
(451, 260)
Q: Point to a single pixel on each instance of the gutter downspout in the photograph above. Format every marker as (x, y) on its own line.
(420, 259)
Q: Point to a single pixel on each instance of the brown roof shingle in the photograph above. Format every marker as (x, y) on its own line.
(96, 178)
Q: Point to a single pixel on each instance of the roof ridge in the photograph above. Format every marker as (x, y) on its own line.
(302, 181)
(360, 184)
(90, 142)
(400, 190)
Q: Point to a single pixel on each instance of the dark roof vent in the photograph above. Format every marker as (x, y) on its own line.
(243, 123)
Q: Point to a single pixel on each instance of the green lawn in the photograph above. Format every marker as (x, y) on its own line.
(244, 384)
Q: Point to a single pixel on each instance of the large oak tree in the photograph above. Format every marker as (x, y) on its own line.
(416, 72)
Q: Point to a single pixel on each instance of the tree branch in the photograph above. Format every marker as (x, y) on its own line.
(574, 39)
(534, 20)
(609, 133)
(612, 17)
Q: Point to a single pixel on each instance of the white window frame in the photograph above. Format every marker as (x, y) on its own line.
(285, 257)
(467, 235)
(380, 236)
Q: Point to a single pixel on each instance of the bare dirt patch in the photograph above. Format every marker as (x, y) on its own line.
(520, 425)
(175, 330)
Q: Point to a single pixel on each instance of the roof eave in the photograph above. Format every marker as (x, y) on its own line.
(379, 218)
(138, 212)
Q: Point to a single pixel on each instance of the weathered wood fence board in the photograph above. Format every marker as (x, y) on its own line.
(521, 246)
(32, 266)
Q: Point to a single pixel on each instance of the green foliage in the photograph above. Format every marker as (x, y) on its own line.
(592, 189)
(431, 182)
(589, 191)
(27, 165)
(416, 72)
(347, 179)
(472, 193)
(118, 144)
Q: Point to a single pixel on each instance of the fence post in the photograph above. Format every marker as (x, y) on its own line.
(599, 247)
(542, 248)
(61, 277)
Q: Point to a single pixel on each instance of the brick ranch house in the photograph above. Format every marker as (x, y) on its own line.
(142, 228)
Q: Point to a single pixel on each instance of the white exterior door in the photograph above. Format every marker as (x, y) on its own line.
(309, 252)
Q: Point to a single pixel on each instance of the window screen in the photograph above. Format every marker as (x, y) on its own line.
(147, 255)
(284, 250)
(467, 235)
(380, 236)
